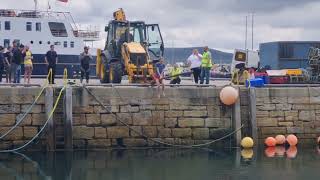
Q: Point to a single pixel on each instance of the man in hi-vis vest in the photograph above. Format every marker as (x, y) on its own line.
(206, 65)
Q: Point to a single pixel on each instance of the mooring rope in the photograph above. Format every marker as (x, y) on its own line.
(49, 76)
(155, 140)
(42, 129)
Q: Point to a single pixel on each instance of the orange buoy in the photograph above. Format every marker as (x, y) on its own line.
(270, 142)
(270, 152)
(229, 95)
(280, 139)
(292, 140)
(292, 152)
(280, 151)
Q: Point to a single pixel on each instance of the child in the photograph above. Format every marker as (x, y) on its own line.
(158, 76)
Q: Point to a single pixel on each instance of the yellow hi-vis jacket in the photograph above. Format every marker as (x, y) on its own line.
(239, 78)
(206, 60)
(175, 72)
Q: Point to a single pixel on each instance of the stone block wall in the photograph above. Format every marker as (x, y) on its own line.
(184, 116)
(13, 103)
(289, 111)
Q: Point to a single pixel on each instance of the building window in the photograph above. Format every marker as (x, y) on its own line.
(48, 42)
(286, 50)
(7, 25)
(58, 29)
(38, 27)
(40, 42)
(72, 44)
(18, 42)
(57, 43)
(31, 42)
(29, 26)
(6, 43)
(65, 44)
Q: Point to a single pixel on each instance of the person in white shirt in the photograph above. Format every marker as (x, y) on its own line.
(194, 62)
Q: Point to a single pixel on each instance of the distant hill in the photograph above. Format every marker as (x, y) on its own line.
(173, 55)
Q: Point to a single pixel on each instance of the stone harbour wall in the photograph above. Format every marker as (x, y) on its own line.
(185, 116)
(292, 110)
(13, 102)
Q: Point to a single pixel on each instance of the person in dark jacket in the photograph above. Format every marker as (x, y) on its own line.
(2, 62)
(51, 59)
(17, 60)
(8, 60)
(85, 59)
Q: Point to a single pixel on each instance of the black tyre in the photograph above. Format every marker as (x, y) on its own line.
(116, 72)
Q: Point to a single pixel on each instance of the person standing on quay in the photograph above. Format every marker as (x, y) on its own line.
(206, 65)
(194, 62)
(8, 61)
(85, 59)
(51, 59)
(17, 59)
(2, 62)
(27, 64)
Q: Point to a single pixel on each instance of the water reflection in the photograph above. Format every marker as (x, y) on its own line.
(161, 164)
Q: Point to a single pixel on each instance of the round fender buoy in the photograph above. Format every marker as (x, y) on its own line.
(247, 153)
(292, 140)
(280, 151)
(247, 142)
(292, 152)
(270, 142)
(280, 139)
(270, 152)
(229, 95)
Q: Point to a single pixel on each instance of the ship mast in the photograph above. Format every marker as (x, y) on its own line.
(36, 5)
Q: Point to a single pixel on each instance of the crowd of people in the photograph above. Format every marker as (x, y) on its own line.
(200, 65)
(14, 57)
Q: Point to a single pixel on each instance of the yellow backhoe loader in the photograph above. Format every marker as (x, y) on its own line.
(131, 49)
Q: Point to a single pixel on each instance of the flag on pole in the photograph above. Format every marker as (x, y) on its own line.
(65, 1)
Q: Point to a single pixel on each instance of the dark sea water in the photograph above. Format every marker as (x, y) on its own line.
(163, 164)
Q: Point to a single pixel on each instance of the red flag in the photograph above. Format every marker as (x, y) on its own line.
(65, 1)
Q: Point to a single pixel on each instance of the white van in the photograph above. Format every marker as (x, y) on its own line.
(249, 57)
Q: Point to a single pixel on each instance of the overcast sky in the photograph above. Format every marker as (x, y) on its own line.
(186, 23)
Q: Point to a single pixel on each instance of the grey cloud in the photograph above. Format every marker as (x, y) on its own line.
(217, 23)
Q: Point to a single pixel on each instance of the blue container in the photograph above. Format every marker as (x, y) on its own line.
(266, 79)
(257, 82)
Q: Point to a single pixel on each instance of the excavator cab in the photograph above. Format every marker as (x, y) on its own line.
(131, 48)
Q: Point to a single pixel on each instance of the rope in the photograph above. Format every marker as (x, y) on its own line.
(24, 114)
(44, 126)
(29, 108)
(154, 140)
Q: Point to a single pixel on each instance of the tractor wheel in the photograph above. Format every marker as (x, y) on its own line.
(105, 76)
(116, 73)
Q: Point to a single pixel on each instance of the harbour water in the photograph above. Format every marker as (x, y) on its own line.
(178, 164)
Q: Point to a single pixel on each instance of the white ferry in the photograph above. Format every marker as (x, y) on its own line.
(39, 30)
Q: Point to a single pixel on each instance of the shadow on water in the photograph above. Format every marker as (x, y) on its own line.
(161, 164)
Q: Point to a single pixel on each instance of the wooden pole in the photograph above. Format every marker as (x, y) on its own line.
(68, 120)
(253, 120)
(51, 146)
(236, 121)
